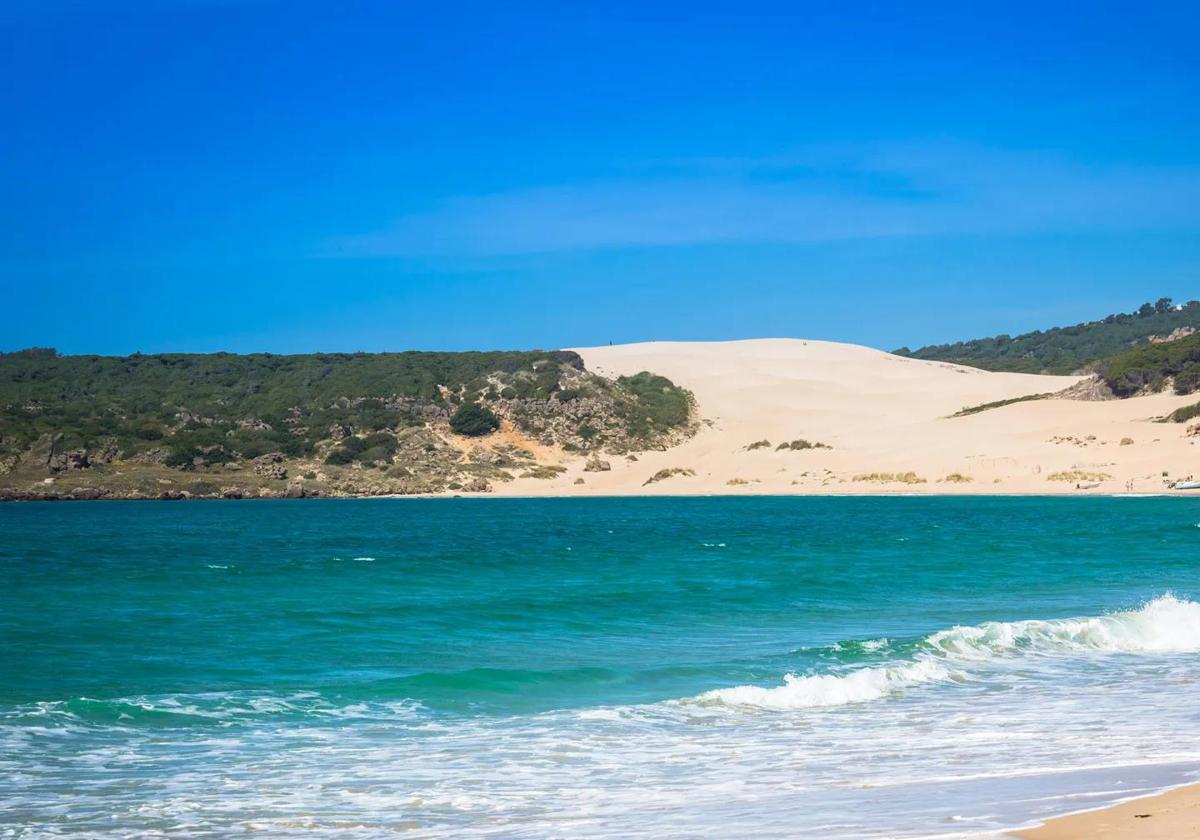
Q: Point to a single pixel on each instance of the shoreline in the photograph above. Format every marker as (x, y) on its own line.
(1165, 815)
(698, 494)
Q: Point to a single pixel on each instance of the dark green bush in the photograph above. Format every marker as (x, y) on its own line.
(658, 404)
(474, 420)
(355, 445)
(376, 455)
(339, 457)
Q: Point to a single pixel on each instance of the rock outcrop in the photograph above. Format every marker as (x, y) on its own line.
(270, 466)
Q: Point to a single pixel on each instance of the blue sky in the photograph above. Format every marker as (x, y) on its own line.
(288, 176)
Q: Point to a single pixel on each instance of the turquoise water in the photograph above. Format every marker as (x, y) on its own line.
(853, 667)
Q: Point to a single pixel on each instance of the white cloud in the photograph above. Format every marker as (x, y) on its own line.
(819, 194)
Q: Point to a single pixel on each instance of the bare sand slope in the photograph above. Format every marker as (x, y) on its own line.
(880, 414)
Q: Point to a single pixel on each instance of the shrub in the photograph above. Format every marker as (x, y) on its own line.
(183, 457)
(376, 454)
(355, 445)
(664, 474)
(658, 404)
(900, 478)
(1078, 475)
(544, 471)
(976, 409)
(147, 431)
(801, 444)
(339, 457)
(1182, 415)
(474, 420)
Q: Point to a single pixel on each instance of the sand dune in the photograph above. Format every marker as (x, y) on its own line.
(880, 414)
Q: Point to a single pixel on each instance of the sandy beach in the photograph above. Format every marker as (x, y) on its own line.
(888, 425)
(1173, 815)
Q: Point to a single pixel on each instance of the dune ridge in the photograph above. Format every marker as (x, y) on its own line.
(887, 422)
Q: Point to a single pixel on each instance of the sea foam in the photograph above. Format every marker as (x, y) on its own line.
(1165, 625)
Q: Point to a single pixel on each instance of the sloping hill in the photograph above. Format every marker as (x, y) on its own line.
(1064, 350)
(1153, 366)
(226, 424)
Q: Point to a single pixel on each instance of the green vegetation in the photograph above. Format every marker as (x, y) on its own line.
(800, 445)
(473, 420)
(957, 478)
(231, 426)
(373, 449)
(657, 405)
(889, 478)
(248, 404)
(758, 444)
(1182, 415)
(1065, 350)
(664, 474)
(1078, 475)
(976, 409)
(1150, 367)
(544, 471)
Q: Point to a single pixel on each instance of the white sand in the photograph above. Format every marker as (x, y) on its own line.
(881, 414)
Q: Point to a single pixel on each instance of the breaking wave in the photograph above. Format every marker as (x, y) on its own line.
(1165, 625)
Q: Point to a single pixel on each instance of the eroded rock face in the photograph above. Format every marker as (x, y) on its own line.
(1174, 335)
(1092, 389)
(478, 485)
(270, 466)
(340, 431)
(597, 465)
(69, 461)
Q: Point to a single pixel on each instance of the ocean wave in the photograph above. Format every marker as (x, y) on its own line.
(829, 689)
(202, 709)
(1164, 625)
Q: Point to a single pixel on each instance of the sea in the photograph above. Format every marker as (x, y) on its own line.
(717, 667)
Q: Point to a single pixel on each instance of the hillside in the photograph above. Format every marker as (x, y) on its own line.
(225, 424)
(1066, 350)
(782, 416)
(1153, 367)
(787, 416)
